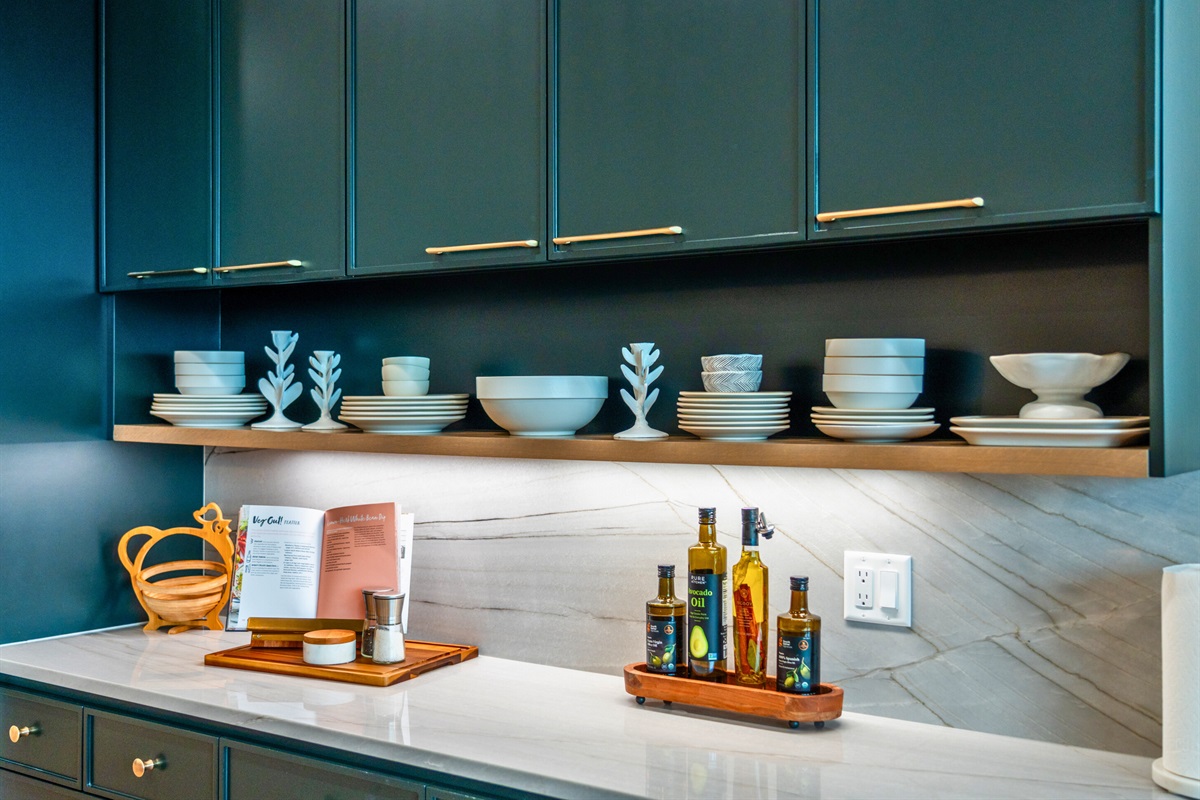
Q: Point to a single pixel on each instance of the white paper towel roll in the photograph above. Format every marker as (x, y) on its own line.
(1181, 680)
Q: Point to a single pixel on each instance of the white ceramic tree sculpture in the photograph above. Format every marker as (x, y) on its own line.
(325, 374)
(641, 357)
(277, 387)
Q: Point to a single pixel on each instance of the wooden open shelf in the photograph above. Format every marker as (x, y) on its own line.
(919, 456)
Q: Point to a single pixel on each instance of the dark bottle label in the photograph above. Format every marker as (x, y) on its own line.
(706, 617)
(662, 639)
(798, 663)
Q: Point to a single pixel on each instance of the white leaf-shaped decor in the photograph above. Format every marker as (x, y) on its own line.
(629, 401)
(278, 386)
(316, 376)
(629, 374)
(653, 376)
(640, 356)
(272, 354)
(291, 393)
(652, 358)
(650, 401)
(628, 356)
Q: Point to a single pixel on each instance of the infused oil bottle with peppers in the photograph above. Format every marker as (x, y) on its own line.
(750, 603)
(707, 602)
(666, 627)
(798, 655)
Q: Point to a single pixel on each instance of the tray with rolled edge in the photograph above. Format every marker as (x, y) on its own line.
(818, 708)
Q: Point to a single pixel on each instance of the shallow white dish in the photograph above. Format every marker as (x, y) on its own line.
(835, 418)
(868, 432)
(1014, 437)
(208, 419)
(399, 426)
(1026, 423)
(198, 398)
(205, 408)
(905, 348)
(433, 416)
(874, 365)
(732, 412)
(737, 396)
(872, 412)
(747, 433)
(427, 398)
(720, 420)
(424, 409)
(210, 356)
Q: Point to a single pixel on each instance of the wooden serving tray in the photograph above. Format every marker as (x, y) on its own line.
(728, 696)
(419, 657)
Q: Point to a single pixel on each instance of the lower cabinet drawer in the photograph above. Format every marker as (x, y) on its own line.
(258, 773)
(19, 787)
(127, 757)
(47, 736)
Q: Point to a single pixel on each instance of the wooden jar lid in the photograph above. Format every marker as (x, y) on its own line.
(329, 636)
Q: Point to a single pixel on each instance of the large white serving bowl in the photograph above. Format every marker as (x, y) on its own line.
(872, 400)
(405, 372)
(210, 384)
(210, 356)
(514, 387)
(212, 368)
(874, 365)
(872, 383)
(1060, 380)
(907, 348)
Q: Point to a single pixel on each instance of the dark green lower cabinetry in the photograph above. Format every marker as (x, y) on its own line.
(257, 773)
(18, 787)
(48, 746)
(184, 763)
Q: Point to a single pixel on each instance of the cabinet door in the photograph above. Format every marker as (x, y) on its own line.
(282, 141)
(128, 757)
(257, 773)
(450, 132)
(681, 113)
(156, 165)
(47, 733)
(1043, 110)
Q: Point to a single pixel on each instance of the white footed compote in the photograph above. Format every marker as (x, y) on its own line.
(325, 374)
(1060, 380)
(641, 356)
(277, 387)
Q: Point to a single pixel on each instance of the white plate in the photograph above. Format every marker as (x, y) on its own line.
(736, 395)
(773, 419)
(734, 434)
(421, 409)
(878, 432)
(835, 418)
(1102, 423)
(443, 418)
(248, 397)
(1014, 437)
(419, 398)
(406, 427)
(171, 407)
(732, 413)
(872, 412)
(203, 419)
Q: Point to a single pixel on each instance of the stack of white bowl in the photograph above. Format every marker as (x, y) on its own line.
(406, 407)
(731, 372)
(209, 384)
(731, 408)
(542, 405)
(873, 384)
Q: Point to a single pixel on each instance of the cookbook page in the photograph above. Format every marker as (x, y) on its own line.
(277, 564)
(361, 550)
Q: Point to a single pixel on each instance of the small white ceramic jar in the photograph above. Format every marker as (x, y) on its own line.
(329, 646)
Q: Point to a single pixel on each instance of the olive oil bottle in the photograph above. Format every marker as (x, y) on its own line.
(666, 623)
(750, 603)
(707, 602)
(798, 656)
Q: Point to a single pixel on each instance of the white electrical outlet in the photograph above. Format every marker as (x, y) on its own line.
(878, 588)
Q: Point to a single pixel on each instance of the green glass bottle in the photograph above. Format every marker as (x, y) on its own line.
(750, 603)
(798, 655)
(707, 602)
(666, 622)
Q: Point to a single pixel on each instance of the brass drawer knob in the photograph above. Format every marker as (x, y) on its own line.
(16, 734)
(142, 766)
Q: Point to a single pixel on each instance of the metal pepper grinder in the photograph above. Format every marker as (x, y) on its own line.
(389, 633)
(370, 623)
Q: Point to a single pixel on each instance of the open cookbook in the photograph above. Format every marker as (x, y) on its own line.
(305, 563)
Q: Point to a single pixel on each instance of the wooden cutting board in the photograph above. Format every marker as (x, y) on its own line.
(420, 657)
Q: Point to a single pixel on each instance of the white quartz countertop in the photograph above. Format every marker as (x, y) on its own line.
(567, 733)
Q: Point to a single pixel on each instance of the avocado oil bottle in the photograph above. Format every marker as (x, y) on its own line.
(707, 602)
(798, 656)
(666, 620)
(750, 603)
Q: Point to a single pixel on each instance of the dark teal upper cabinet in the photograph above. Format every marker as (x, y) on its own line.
(282, 143)
(679, 115)
(156, 165)
(449, 166)
(1042, 109)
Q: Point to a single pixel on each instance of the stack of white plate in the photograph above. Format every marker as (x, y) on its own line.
(734, 416)
(208, 411)
(415, 415)
(874, 425)
(1026, 432)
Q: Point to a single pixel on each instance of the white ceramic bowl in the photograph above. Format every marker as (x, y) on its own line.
(874, 365)
(732, 381)
(405, 372)
(1060, 380)
(872, 383)
(405, 388)
(872, 400)
(907, 348)
(211, 390)
(740, 362)
(413, 361)
(210, 356)
(542, 416)
(520, 387)
(225, 381)
(213, 368)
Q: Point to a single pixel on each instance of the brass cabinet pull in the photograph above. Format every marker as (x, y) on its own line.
(966, 202)
(142, 766)
(265, 265)
(671, 230)
(16, 734)
(156, 273)
(462, 248)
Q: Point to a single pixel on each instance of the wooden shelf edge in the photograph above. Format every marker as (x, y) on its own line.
(919, 456)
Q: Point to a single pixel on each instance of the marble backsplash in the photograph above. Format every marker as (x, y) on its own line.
(1036, 600)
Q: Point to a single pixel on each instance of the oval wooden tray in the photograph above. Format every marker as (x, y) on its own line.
(766, 702)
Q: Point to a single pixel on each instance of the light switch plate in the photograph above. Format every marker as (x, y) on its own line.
(865, 578)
